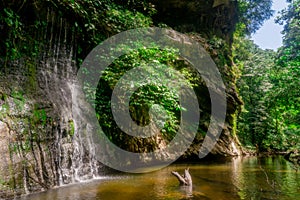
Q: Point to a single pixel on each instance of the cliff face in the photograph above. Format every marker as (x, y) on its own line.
(41, 143)
(210, 19)
(36, 129)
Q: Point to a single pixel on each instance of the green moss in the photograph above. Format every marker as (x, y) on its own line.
(39, 116)
(19, 99)
(3, 97)
(233, 122)
(31, 84)
(4, 108)
(71, 128)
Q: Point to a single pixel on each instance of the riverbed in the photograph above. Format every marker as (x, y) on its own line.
(236, 178)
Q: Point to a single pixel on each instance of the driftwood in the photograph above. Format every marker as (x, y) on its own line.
(185, 179)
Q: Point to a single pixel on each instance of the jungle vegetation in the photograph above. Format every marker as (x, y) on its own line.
(268, 84)
(268, 80)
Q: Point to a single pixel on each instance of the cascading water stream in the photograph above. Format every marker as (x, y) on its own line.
(73, 154)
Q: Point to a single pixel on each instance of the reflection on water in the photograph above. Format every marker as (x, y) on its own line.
(239, 178)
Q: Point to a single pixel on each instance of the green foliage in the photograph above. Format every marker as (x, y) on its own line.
(146, 96)
(252, 14)
(291, 43)
(142, 6)
(286, 95)
(23, 26)
(255, 85)
(269, 86)
(119, 20)
(17, 37)
(12, 20)
(100, 19)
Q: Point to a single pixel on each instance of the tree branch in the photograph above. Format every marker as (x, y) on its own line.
(186, 179)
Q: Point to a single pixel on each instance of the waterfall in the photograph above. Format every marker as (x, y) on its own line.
(85, 164)
(74, 154)
(44, 140)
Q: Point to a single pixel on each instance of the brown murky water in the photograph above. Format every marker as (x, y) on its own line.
(239, 178)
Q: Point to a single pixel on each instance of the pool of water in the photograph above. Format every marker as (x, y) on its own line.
(239, 178)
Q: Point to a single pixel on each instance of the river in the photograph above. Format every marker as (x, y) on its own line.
(237, 178)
